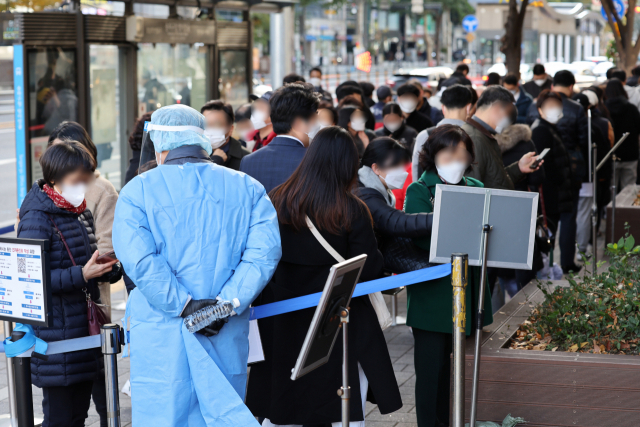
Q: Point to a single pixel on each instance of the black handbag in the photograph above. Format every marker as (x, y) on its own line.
(401, 255)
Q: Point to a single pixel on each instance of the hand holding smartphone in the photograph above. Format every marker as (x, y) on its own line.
(107, 257)
(535, 164)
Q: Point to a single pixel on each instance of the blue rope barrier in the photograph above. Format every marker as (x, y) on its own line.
(7, 229)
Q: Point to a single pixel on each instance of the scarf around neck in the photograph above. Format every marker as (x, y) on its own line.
(371, 180)
(61, 202)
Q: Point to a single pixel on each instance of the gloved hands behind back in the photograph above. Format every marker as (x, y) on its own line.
(214, 327)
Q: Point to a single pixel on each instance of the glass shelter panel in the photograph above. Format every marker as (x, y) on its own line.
(233, 77)
(171, 75)
(53, 97)
(105, 121)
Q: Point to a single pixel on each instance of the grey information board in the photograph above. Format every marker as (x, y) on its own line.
(460, 213)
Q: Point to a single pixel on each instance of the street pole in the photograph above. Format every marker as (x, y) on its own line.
(459, 275)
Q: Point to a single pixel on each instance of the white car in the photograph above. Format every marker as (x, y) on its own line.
(501, 69)
(429, 77)
(600, 70)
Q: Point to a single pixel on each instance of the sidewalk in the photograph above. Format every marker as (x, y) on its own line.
(400, 343)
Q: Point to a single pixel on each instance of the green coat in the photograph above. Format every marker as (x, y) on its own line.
(430, 303)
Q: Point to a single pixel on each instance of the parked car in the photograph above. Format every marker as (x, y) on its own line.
(500, 68)
(600, 70)
(429, 77)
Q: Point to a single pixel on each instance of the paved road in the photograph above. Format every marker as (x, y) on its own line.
(399, 339)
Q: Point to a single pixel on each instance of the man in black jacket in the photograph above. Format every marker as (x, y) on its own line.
(351, 87)
(573, 128)
(227, 151)
(540, 82)
(408, 100)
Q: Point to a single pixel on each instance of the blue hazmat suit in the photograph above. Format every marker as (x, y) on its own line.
(190, 229)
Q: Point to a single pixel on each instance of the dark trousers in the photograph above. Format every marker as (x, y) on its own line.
(66, 406)
(567, 235)
(99, 394)
(432, 359)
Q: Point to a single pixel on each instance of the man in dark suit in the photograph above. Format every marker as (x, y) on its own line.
(294, 115)
(408, 100)
(227, 151)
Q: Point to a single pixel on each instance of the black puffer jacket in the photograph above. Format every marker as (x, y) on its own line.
(406, 135)
(69, 306)
(557, 188)
(388, 221)
(573, 127)
(625, 118)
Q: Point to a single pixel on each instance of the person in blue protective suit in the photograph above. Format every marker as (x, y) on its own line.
(191, 233)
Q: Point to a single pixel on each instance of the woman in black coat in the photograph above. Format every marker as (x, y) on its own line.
(625, 117)
(383, 169)
(321, 188)
(395, 126)
(559, 182)
(55, 209)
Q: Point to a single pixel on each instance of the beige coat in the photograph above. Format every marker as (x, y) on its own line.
(101, 200)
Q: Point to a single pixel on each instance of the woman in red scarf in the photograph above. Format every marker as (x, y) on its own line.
(55, 210)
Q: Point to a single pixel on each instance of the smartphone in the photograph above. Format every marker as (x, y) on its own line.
(535, 164)
(105, 258)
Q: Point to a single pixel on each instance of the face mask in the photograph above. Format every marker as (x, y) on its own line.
(502, 124)
(316, 82)
(453, 172)
(245, 135)
(392, 127)
(323, 124)
(74, 194)
(258, 119)
(407, 106)
(514, 92)
(358, 124)
(395, 178)
(540, 82)
(216, 136)
(313, 131)
(553, 115)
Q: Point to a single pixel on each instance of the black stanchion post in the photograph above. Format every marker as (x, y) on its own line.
(112, 339)
(345, 390)
(22, 375)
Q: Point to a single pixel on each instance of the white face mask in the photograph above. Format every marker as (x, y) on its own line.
(258, 119)
(315, 81)
(74, 194)
(358, 124)
(453, 172)
(407, 105)
(553, 115)
(505, 122)
(540, 82)
(245, 135)
(313, 130)
(395, 178)
(324, 124)
(393, 126)
(216, 136)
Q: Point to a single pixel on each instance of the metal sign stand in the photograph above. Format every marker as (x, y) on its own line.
(345, 391)
(614, 185)
(593, 159)
(459, 270)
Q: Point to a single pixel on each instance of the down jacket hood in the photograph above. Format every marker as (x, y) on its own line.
(512, 135)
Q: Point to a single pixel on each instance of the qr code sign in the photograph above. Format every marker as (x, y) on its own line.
(22, 265)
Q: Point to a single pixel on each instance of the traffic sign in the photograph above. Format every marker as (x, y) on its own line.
(619, 7)
(470, 37)
(470, 23)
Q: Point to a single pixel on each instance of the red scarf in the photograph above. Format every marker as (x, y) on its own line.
(61, 202)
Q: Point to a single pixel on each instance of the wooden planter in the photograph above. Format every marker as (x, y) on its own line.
(625, 212)
(550, 388)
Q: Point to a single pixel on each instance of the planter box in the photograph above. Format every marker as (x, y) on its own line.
(550, 388)
(624, 213)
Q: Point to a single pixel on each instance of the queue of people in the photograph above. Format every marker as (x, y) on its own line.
(254, 206)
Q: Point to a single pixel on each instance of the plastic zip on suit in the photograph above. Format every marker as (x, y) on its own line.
(193, 230)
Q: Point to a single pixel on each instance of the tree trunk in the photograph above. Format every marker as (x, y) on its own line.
(512, 38)
(623, 30)
(438, 29)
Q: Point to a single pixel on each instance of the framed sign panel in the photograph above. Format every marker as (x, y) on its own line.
(325, 324)
(461, 212)
(25, 294)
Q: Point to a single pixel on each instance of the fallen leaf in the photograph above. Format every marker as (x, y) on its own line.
(554, 348)
(573, 348)
(583, 344)
(502, 312)
(596, 347)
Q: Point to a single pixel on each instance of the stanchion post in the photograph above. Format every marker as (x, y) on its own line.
(394, 310)
(111, 336)
(459, 274)
(345, 391)
(22, 376)
(594, 207)
(11, 383)
(614, 190)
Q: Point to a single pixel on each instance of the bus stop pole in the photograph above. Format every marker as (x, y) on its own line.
(11, 383)
(111, 342)
(459, 270)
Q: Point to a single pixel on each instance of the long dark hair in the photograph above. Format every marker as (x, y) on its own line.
(615, 89)
(321, 185)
